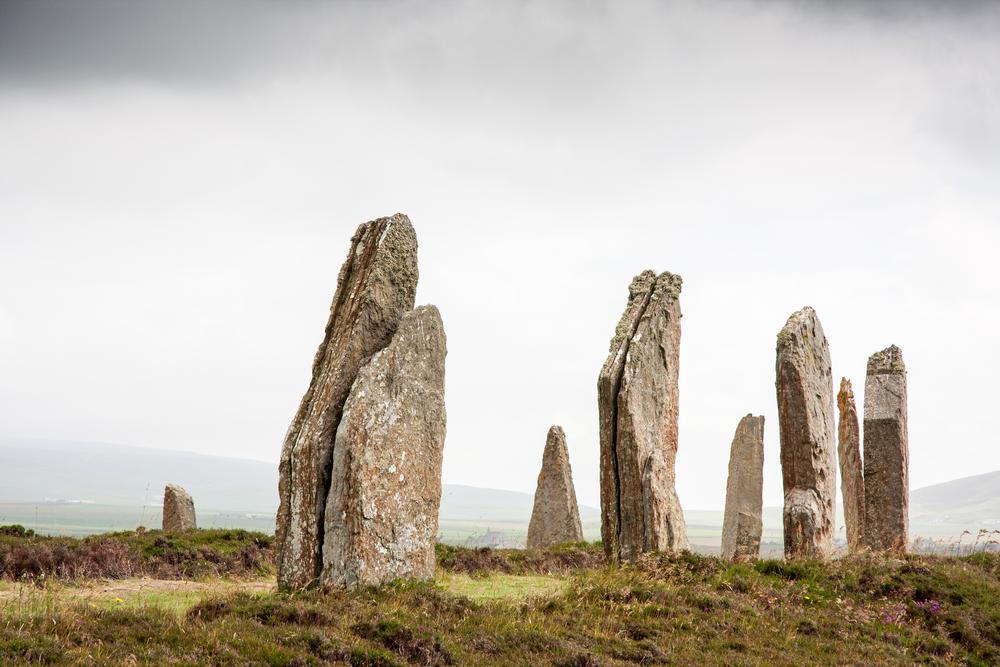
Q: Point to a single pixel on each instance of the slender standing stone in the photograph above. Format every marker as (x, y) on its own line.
(376, 285)
(852, 481)
(178, 509)
(382, 509)
(555, 517)
(887, 458)
(638, 407)
(743, 524)
(804, 385)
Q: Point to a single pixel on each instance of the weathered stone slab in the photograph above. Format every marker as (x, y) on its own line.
(852, 481)
(742, 523)
(887, 457)
(555, 517)
(376, 285)
(178, 509)
(638, 407)
(382, 509)
(804, 385)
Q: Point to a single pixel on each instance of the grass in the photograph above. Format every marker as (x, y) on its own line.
(560, 607)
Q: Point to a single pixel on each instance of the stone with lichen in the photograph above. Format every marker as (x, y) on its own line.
(382, 510)
(638, 410)
(804, 386)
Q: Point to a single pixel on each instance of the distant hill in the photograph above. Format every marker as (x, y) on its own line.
(36, 471)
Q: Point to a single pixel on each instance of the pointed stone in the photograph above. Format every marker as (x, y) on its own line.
(555, 518)
(742, 523)
(804, 385)
(852, 481)
(638, 408)
(887, 457)
(376, 285)
(382, 509)
(178, 509)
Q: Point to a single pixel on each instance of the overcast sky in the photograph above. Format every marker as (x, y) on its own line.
(179, 183)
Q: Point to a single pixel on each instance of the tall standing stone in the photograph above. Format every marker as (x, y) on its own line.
(178, 509)
(376, 286)
(887, 484)
(742, 523)
(638, 407)
(555, 518)
(852, 481)
(804, 386)
(382, 509)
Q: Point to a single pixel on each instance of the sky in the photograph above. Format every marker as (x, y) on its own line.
(179, 183)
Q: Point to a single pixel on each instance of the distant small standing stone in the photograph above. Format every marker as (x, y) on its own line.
(804, 384)
(742, 523)
(887, 457)
(852, 481)
(555, 518)
(178, 509)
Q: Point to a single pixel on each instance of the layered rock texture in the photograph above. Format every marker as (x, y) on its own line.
(178, 509)
(852, 481)
(376, 286)
(638, 406)
(742, 523)
(555, 518)
(381, 516)
(887, 498)
(804, 385)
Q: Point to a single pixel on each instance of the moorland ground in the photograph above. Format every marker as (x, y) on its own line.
(208, 597)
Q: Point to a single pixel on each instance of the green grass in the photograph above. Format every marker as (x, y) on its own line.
(559, 607)
(502, 586)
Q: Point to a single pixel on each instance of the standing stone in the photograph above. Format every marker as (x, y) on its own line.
(178, 509)
(852, 479)
(376, 285)
(743, 521)
(555, 518)
(382, 510)
(887, 458)
(638, 407)
(804, 386)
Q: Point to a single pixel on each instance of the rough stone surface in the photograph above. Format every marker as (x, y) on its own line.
(382, 509)
(638, 408)
(178, 509)
(742, 523)
(376, 286)
(852, 481)
(804, 385)
(555, 518)
(887, 484)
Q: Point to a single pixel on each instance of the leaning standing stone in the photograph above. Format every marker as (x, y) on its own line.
(555, 518)
(376, 285)
(638, 407)
(382, 510)
(887, 495)
(851, 476)
(804, 386)
(178, 509)
(742, 523)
